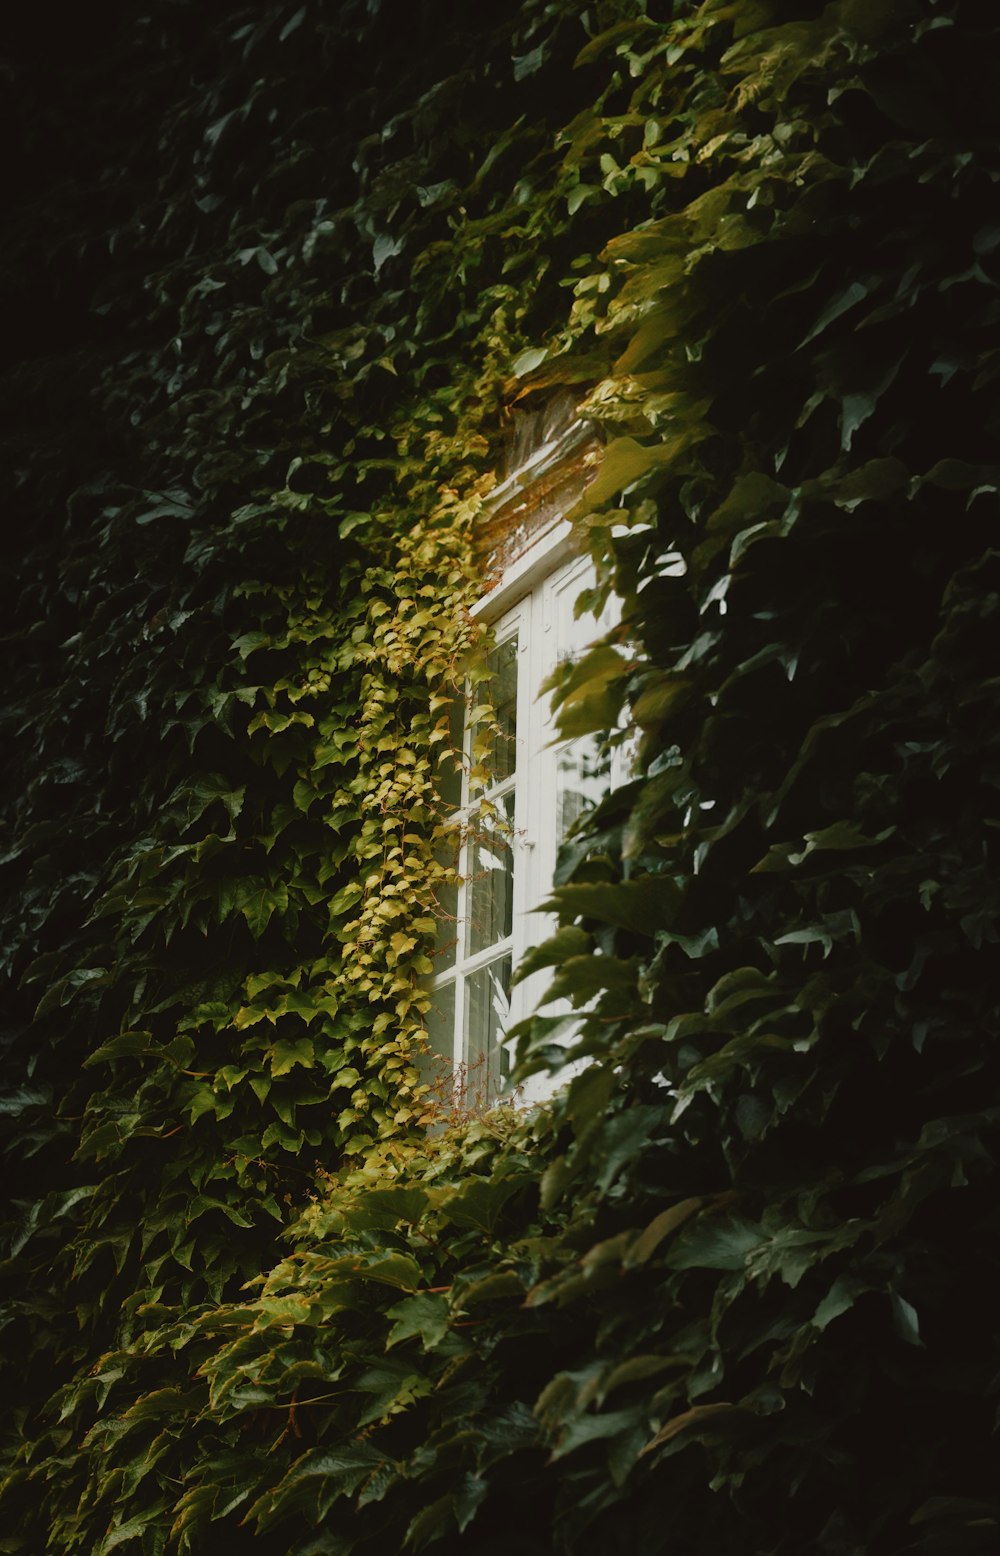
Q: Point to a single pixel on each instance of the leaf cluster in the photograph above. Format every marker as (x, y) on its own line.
(732, 1287)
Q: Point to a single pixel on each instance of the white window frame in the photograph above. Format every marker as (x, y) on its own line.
(534, 598)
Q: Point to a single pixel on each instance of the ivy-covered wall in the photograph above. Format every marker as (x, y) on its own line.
(278, 274)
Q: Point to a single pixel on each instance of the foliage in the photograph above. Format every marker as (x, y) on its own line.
(733, 1287)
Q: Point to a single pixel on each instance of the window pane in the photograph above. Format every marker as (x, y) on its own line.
(501, 690)
(490, 886)
(581, 781)
(449, 777)
(437, 1068)
(441, 1022)
(446, 946)
(487, 995)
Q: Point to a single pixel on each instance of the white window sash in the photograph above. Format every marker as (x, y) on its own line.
(535, 599)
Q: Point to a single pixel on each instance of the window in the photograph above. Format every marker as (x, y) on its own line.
(510, 814)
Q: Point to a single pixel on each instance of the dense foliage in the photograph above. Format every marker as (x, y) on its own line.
(734, 1289)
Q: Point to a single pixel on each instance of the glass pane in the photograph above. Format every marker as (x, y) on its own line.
(501, 692)
(449, 776)
(437, 1068)
(490, 884)
(446, 946)
(581, 781)
(487, 997)
(441, 1023)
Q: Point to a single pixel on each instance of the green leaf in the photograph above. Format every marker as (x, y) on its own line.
(581, 977)
(132, 1529)
(124, 1045)
(612, 37)
(345, 898)
(383, 1209)
(395, 1269)
(291, 1051)
(643, 905)
(839, 1299)
(659, 1228)
(528, 361)
(425, 1314)
(162, 1402)
(841, 303)
(585, 698)
(259, 901)
(715, 1242)
(213, 789)
(480, 1202)
(342, 1470)
(431, 1523)
(22, 1099)
(629, 1424)
(493, 1288)
(625, 463)
(662, 697)
(637, 1368)
(697, 1419)
(569, 941)
(905, 1319)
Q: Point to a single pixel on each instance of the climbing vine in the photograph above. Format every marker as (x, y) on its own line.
(731, 1286)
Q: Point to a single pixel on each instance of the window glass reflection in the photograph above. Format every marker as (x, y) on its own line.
(490, 887)
(501, 691)
(581, 781)
(487, 1002)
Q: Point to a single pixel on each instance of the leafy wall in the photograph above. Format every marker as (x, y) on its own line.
(735, 1287)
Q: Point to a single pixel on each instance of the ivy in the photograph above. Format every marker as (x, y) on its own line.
(732, 1286)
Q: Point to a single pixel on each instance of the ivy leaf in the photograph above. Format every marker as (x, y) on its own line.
(131, 1529)
(695, 1419)
(395, 1269)
(161, 1402)
(905, 1319)
(23, 1098)
(843, 302)
(586, 700)
(569, 941)
(612, 37)
(289, 1052)
(642, 905)
(659, 1228)
(431, 1523)
(581, 977)
(715, 1242)
(492, 1288)
(528, 64)
(631, 1426)
(839, 1299)
(625, 463)
(341, 1470)
(213, 788)
(124, 1045)
(345, 898)
(393, 1386)
(259, 901)
(528, 361)
(425, 1314)
(480, 1203)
